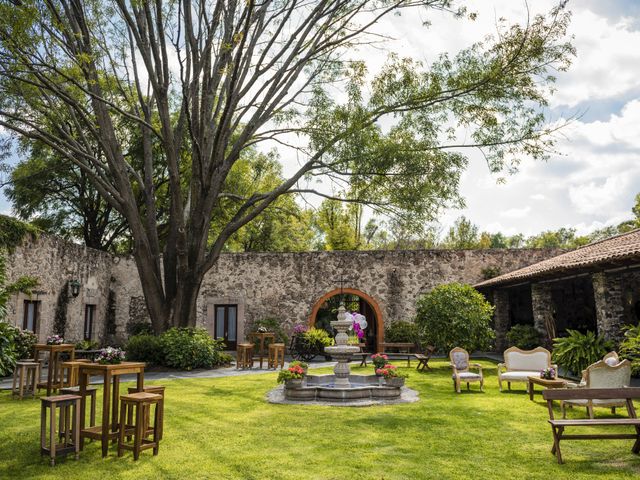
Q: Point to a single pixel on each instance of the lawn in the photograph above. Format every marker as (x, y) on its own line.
(222, 428)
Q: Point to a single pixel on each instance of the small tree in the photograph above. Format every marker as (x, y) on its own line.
(455, 315)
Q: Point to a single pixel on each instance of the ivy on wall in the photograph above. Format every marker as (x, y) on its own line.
(13, 231)
(110, 320)
(60, 315)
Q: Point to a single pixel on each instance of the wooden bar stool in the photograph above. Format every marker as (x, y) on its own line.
(142, 403)
(25, 379)
(159, 390)
(91, 392)
(67, 439)
(69, 376)
(276, 355)
(244, 355)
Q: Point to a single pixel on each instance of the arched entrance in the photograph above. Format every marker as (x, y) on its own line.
(355, 300)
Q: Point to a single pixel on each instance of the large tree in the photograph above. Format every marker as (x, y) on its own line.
(199, 81)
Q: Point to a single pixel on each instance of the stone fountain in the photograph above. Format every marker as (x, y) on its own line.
(342, 388)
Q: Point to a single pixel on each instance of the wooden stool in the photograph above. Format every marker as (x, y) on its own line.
(276, 355)
(141, 402)
(91, 392)
(244, 355)
(25, 379)
(159, 390)
(68, 429)
(69, 373)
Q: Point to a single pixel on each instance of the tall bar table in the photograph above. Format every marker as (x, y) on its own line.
(261, 338)
(110, 374)
(54, 362)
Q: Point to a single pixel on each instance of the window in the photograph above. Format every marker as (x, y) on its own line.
(89, 315)
(30, 321)
(226, 324)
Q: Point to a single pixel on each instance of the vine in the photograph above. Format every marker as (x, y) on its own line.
(110, 320)
(13, 231)
(60, 315)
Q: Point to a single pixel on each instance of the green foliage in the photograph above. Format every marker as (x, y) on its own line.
(139, 328)
(630, 348)
(401, 331)
(317, 339)
(23, 343)
(490, 272)
(523, 336)
(287, 374)
(23, 284)
(110, 314)
(87, 345)
(145, 348)
(273, 325)
(13, 231)
(7, 348)
(60, 314)
(189, 348)
(463, 234)
(577, 351)
(455, 315)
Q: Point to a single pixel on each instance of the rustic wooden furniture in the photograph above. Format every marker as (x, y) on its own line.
(262, 340)
(424, 357)
(158, 390)
(141, 402)
(564, 394)
(459, 359)
(520, 364)
(90, 392)
(276, 355)
(244, 355)
(602, 375)
(68, 375)
(25, 379)
(68, 431)
(402, 350)
(111, 378)
(90, 355)
(53, 370)
(546, 383)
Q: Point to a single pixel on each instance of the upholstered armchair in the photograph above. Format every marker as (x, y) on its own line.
(459, 359)
(520, 364)
(602, 375)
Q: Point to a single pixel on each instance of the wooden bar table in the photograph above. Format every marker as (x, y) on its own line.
(52, 382)
(110, 374)
(261, 338)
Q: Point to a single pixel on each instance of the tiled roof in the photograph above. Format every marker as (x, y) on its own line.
(618, 250)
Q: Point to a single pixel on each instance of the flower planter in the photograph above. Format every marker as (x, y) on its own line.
(394, 382)
(294, 383)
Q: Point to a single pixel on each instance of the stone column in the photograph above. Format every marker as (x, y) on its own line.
(607, 292)
(501, 317)
(543, 308)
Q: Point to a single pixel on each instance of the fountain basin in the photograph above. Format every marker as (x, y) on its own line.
(324, 387)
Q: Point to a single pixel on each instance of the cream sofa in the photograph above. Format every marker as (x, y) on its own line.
(520, 364)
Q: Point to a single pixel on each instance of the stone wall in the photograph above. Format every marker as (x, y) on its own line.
(54, 262)
(617, 301)
(281, 285)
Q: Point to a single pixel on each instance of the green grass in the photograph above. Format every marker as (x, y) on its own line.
(224, 429)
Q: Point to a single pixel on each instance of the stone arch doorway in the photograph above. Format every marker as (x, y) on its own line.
(367, 306)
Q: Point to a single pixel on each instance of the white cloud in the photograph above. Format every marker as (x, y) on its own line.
(537, 196)
(516, 212)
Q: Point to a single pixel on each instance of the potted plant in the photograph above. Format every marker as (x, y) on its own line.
(110, 356)
(303, 365)
(55, 340)
(391, 375)
(379, 360)
(292, 377)
(548, 373)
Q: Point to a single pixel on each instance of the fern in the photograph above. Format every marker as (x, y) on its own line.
(577, 351)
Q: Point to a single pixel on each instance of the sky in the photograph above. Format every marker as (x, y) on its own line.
(594, 178)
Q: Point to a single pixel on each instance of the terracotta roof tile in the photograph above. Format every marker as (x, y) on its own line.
(601, 253)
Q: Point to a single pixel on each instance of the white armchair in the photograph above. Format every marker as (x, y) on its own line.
(459, 358)
(520, 364)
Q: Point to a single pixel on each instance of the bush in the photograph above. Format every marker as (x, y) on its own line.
(577, 351)
(400, 331)
(630, 348)
(189, 348)
(455, 315)
(139, 328)
(8, 358)
(273, 325)
(523, 336)
(87, 345)
(144, 348)
(317, 339)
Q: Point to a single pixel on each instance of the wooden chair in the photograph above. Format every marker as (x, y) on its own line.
(68, 430)
(459, 359)
(25, 379)
(139, 404)
(276, 355)
(244, 355)
(68, 375)
(423, 356)
(602, 375)
(158, 390)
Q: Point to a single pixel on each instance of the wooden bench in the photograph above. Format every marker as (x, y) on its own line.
(404, 350)
(558, 426)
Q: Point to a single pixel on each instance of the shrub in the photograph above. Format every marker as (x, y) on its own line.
(273, 325)
(317, 339)
(189, 348)
(87, 345)
(145, 348)
(139, 328)
(23, 343)
(400, 331)
(523, 336)
(7, 348)
(630, 348)
(455, 315)
(577, 351)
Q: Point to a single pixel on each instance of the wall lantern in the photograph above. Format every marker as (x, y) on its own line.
(75, 287)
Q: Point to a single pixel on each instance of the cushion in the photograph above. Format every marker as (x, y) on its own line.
(612, 361)
(468, 376)
(527, 361)
(460, 360)
(521, 375)
(581, 402)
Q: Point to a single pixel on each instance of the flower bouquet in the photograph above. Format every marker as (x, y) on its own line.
(110, 356)
(379, 360)
(292, 377)
(548, 373)
(55, 340)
